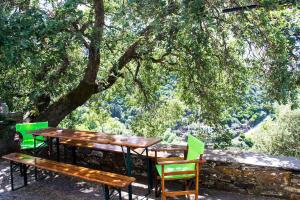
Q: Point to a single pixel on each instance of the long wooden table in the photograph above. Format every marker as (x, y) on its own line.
(129, 142)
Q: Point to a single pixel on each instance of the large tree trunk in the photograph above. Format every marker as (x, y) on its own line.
(87, 87)
(57, 111)
(66, 104)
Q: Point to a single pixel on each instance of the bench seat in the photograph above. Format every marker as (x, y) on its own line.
(97, 176)
(116, 149)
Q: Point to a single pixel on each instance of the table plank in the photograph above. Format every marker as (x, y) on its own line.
(97, 137)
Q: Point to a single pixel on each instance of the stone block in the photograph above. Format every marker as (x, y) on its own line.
(292, 189)
(272, 193)
(268, 178)
(229, 170)
(247, 186)
(295, 197)
(295, 182)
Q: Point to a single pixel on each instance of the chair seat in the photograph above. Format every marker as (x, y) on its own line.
(177, 168)
(29, 144)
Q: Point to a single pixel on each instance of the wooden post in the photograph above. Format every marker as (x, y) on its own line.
(163, 182)
(197, 181)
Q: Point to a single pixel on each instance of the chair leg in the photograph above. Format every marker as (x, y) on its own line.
(186, 183)
(197, 190)
(163, 194)
(197, 181)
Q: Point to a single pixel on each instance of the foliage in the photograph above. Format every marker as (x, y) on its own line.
(279, 135)
(139, 51)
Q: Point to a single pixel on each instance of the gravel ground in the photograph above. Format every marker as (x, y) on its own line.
(57, 187)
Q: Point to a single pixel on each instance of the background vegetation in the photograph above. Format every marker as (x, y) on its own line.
(279, 134)
(155, 68)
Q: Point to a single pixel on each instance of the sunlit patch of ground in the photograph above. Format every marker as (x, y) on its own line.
(57, 187)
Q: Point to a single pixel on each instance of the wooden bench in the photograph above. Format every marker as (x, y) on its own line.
(105, 178)
(118, 149)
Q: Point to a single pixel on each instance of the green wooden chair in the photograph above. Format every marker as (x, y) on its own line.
(27, 141)
(169, 169)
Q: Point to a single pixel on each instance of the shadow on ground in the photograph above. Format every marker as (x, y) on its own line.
(57, 187)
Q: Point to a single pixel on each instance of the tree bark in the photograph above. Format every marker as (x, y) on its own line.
(57, 111)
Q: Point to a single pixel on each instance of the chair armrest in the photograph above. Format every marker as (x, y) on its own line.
(171, 149)
(178, 162)
(169, 159)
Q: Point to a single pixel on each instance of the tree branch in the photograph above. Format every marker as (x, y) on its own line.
(115, 71)
(241, 8)
(254, 6)
(94, 47)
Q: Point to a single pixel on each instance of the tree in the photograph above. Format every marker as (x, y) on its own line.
(55, 55)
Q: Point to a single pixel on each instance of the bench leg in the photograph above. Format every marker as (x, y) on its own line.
(24, 172)
(25, 175)
(12, 176)
(106, 192)
(120, 194)
(35, 174)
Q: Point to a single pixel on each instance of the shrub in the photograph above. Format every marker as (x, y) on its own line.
(280, 135)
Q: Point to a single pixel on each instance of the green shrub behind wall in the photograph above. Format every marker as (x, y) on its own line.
(280, 135)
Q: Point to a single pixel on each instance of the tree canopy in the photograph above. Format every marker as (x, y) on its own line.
(56, 54)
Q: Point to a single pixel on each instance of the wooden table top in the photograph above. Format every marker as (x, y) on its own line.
(97, 137)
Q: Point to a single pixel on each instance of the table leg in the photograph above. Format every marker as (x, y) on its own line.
(34, 142)
(49, 139)
(57, 149)
(34, 151)
(129, 166)
(73, 154)
(149, 172)
(25, 175)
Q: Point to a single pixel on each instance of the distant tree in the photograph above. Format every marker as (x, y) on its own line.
(55, 55)
(279, 135)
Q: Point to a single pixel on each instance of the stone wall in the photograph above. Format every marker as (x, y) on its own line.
(252, 173)
(249, 173)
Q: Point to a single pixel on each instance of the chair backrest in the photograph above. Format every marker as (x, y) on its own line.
(25, 127)
(195, 148)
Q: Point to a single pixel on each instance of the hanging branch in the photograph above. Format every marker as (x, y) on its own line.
(241, 8)
(255, 6)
